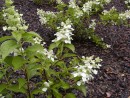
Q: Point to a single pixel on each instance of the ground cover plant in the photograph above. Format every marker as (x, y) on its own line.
(58, 69)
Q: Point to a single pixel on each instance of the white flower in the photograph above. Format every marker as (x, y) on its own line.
(37, 40)
(79, 83)
(64, 32)
(95, 71)
(46, 84)
(4, 28)
(44, 89)
(108, 46)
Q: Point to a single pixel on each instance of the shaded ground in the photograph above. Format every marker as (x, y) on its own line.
(113, 80)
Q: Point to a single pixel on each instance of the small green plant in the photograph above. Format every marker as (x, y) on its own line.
(24, 57)
(114, 17)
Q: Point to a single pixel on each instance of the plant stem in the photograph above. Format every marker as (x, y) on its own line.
(28, 88)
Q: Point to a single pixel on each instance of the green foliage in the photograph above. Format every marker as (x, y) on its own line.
(39, 2)
(2, 21)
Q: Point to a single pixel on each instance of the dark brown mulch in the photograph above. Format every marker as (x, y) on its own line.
(113, 79)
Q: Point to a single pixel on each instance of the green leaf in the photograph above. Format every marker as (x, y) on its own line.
(17, 35)
(17, 62)
(31, 34)
(2, 73)
(15, 88)
(69, 55)
(64, 85)
(52, 46)
(8, 60)
(5, 38)
(70, 46)
(34, 48)
(70, 95)
(7, 47)
(36, 91)
(82, 88)
(56, 93)
(2, 87)
(21, 82)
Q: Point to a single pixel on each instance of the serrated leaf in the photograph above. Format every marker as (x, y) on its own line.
(17, 35)
(2, 87)
(70, 46)
(21, 82)
(70, 95)
(17, 62)
(7, 47)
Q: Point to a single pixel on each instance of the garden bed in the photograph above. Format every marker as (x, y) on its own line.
(113, 79)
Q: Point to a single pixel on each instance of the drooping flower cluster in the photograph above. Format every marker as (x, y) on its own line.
(14, 20)
(64, 32)
(86, 69)
(45, 16)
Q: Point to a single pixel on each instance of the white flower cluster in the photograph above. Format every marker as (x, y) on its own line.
(77, 11)
(37, 40)
(13, 19)
(64, 32)
(47, 85)
(45, 16)
(92, 24)
(87, 7)
(86, 69)
(49, 54)
(125, 15)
